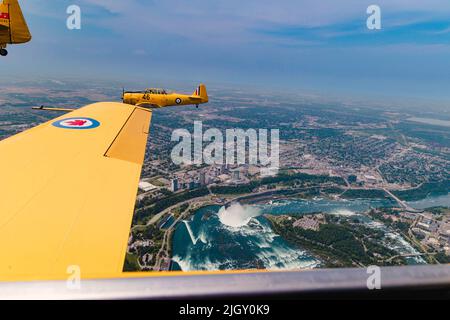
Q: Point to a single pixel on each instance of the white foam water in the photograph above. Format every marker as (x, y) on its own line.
(343, 212)
(237, 216)
(201, 236)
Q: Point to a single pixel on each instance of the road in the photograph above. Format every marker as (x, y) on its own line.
(164, 252)
(410, 255)
(403, 204)
(158, 216)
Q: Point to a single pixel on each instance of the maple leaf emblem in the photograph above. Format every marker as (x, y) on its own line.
(78, 123)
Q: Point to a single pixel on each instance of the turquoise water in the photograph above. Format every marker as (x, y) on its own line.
(323, 205)
(439, 201)
(205, 243)
(215, 239)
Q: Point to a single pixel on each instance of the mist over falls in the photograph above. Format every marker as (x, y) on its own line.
(237, 216)
(238, 237)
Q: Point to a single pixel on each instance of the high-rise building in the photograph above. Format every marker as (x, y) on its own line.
(202, 178)
(174, 185)
(236, 175)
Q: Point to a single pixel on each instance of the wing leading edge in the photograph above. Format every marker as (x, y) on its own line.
(67, 193)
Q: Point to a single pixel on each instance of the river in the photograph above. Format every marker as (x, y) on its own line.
(241, 238)
(437, 201)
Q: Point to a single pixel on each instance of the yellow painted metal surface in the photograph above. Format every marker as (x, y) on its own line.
(63, 202)
(67, 196)
(13, 27)
(130, 144)
(158, 98)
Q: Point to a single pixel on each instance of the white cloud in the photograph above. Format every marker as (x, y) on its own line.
(235, 21)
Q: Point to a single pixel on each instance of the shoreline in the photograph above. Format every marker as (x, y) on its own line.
(305, 194)
(262, 198)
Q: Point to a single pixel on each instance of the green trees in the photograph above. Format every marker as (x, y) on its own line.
(425, 190)
(165, 203)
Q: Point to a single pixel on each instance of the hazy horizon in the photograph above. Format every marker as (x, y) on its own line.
(321, 48)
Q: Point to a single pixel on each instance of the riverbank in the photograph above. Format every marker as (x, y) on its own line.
(366, 241)
(340, 242)
(277, 201)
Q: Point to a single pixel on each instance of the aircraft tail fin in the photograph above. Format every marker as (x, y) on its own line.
(11, 17)
(202, 93)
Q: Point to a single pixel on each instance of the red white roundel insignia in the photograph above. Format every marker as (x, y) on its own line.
(77, 123)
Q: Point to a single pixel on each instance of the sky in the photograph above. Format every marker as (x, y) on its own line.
(318, 45)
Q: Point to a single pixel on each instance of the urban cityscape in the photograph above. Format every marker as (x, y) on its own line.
(359, 183)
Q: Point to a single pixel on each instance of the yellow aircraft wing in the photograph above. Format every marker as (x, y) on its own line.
(67, 193)
(13, 27)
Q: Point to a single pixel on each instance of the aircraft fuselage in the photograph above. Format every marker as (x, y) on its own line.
(158, 98)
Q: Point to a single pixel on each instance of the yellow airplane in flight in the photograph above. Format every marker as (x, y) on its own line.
(13, 27)
(67, 193)
(153, 99)
(158, 98)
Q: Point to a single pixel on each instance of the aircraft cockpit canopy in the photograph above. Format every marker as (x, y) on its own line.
(155, 91)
